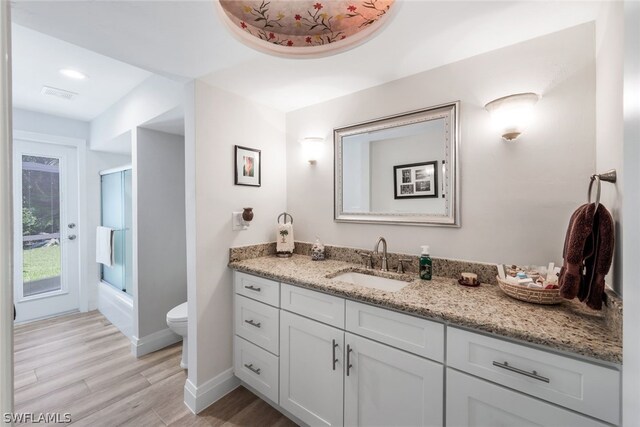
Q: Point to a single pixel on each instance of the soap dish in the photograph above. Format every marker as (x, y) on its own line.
(532, 295)
(469, 285)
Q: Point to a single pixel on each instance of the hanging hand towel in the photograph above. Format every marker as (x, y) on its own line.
(588, 253)
(104, 246)
(284, 238)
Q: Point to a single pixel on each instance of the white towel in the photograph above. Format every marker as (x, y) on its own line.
(284, 238)
(104, 246)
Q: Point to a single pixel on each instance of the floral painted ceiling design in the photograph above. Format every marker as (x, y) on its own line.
(302, 23)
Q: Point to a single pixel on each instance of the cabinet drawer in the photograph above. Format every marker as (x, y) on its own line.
(419, 336)
(257, 323)
(257, 288)
(315, 305)
(475, 402)
(584, 387)
(256, 367)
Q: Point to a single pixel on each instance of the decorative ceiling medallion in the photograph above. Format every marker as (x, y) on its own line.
(305, 28)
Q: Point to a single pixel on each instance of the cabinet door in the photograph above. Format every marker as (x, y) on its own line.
(385, 386)
(311, 370)
(475, 402)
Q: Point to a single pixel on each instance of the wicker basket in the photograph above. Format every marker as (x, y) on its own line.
(533, 295)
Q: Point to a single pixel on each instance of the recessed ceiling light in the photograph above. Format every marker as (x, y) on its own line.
(73, 74)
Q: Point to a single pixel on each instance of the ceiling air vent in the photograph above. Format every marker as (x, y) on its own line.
(58, 93)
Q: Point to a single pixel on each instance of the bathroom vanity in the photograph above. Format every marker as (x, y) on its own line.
(330, 352)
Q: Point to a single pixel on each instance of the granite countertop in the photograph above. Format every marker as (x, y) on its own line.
(569, 327)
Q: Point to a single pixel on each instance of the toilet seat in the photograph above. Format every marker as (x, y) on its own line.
(178, 314)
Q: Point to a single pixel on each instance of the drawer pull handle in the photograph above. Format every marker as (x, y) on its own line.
(252, 369)
(252, 323)
(533, 374)
(252, 288)
(334, 360)
(349, 365)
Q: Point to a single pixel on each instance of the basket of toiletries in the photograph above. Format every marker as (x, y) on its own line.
(538, 285)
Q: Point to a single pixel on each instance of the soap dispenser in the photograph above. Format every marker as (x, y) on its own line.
(317, 250)
(425, 264)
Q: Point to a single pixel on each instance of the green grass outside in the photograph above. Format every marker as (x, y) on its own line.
(40, 263)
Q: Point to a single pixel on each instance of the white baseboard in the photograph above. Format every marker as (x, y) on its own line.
(199, 398)
(153, 342)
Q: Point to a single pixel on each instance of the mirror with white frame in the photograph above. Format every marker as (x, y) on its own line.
(401, 169)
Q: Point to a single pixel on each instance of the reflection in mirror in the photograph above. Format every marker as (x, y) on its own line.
(399, 169)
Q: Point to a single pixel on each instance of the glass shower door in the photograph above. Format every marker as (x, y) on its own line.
(114, 216)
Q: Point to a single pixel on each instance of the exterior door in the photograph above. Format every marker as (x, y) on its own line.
(45, 191)
(311, 355)
(389, 387)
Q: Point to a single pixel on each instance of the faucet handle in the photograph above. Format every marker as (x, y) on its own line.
(367, 259)
(401, 262)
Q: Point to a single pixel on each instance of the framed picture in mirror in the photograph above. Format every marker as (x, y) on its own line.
(415, 180)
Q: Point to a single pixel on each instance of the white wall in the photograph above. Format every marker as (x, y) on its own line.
(356, 181)
(215, 121)
(385, 154)
(32, 121)
(160, 276)
(609, 119)
(631, 213)
(516, 199)
(95, 162)
(153, 97)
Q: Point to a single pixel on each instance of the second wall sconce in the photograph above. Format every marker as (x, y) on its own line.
(312, 148)
(511, 114)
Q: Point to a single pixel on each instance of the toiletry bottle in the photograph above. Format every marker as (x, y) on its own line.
(425, 264)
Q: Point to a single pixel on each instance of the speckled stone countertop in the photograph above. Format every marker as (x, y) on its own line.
(569, 327)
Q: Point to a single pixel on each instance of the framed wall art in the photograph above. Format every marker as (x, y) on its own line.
(248, 166)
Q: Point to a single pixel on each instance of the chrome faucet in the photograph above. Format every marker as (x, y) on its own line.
(384, 253)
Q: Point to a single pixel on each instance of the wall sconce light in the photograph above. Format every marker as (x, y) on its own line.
(511, 114)
(312, 148)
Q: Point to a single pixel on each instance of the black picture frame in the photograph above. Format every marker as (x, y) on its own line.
(414, 182)
(243, 176)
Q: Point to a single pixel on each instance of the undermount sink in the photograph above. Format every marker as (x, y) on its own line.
(370, 281)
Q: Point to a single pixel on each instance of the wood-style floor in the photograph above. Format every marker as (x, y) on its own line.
(81, 364)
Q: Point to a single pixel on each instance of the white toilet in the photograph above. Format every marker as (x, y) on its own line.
(177, 322)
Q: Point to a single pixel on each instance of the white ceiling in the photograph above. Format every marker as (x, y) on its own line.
(188, 39)
(37, 59)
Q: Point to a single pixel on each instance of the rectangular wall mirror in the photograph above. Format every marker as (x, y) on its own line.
(399, 170)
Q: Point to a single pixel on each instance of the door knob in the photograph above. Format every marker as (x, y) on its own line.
(72, 237)
(72, 225)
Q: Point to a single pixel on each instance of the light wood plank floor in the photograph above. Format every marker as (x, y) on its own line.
(81, 364)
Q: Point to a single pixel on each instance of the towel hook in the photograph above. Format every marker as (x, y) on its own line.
(285, 215)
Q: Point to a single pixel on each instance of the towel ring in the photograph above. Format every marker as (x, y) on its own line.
(594, 178)
(609, 176)
(285, 215)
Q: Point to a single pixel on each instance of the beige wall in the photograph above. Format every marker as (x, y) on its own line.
(516, 198)
(219, 121)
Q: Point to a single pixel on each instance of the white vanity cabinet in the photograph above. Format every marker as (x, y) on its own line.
(385, 386)
(311, 370)
(475, 402)
(256, 328)
(328, 361)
